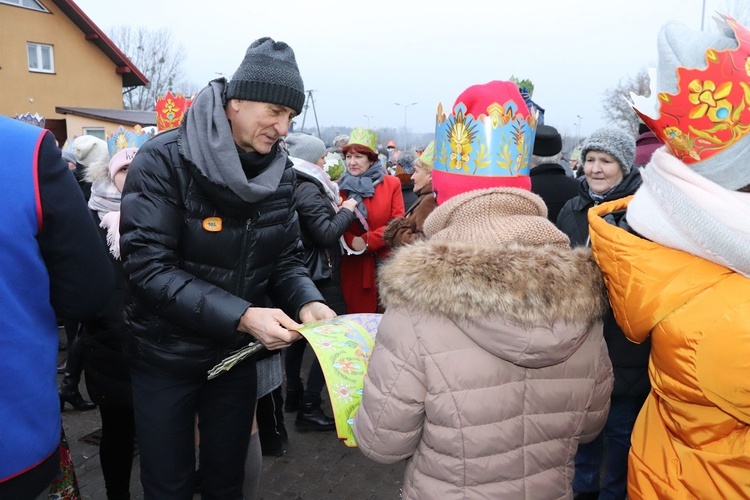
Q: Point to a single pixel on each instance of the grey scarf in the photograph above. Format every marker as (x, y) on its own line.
(206, 141)
(363, 185)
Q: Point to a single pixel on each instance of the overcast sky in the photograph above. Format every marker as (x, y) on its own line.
(360, 58)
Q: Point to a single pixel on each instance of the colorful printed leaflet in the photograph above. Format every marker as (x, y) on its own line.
(343, 346)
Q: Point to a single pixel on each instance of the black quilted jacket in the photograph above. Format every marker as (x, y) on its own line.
(573, 218)
(629, 360)
(196, 257)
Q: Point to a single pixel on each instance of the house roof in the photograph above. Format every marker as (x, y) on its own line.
(131, 76)
(121, 116)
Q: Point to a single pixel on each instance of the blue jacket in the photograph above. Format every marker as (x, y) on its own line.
(51, 264)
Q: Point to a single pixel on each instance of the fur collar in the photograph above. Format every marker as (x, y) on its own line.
(525, 285)
(96, 171)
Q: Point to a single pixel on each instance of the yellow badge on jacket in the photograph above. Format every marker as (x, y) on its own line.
(212, 224)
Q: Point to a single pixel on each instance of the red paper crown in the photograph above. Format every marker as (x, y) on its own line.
(170, 110)
(711, 110)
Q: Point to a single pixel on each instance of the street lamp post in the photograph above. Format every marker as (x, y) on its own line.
(406, 107)
(368, 120)
(578, 129)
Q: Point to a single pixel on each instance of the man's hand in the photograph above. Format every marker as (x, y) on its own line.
(358, 243)
(315, 311)
(271, 326)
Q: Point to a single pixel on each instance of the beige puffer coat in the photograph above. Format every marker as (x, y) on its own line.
(488, 369)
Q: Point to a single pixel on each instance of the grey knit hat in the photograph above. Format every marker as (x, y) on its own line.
(340, 141)
(268, 73)
(406, 162)
(615, 142)
(305, 147)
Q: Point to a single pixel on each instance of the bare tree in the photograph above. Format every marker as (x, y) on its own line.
(159, 58)
(738, 9)
(616, 108)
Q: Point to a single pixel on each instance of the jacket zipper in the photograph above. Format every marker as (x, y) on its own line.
(243, 266)
(328, 258)
(588, 238)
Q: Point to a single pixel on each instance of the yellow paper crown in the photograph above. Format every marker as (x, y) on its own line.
(428, 155)
(711, 109)
(365, 137)
(170, 110)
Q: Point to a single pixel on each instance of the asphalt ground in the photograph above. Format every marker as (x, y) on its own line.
(315, 465)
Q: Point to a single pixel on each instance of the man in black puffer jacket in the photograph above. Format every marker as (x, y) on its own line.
(209, 232)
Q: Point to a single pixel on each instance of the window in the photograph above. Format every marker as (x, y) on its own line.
(28, 4)
(96, 132)
(41, 57)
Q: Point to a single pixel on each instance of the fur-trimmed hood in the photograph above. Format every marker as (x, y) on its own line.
(530, 305)
(96, 171)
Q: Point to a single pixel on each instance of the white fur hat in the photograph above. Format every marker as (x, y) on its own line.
(92, 153)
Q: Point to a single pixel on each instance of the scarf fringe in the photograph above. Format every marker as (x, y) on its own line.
(111, 222)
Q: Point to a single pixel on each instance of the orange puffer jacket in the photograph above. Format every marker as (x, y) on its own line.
(692, 438)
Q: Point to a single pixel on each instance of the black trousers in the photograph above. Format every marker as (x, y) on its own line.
(116, 449)
(293, 366)
(165, 412)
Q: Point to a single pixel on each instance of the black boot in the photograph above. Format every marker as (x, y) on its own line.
(310, 417)
(278, 411)
(68, 389)
(293, 400)
(69, 393)
(271, 430)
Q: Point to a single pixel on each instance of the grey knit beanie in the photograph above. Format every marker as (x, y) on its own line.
(340, 141)
(268, 73)
(305, 147)
(406, 162)
(615, 142)
(680, 46)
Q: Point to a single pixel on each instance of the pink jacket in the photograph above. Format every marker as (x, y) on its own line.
(489, 368)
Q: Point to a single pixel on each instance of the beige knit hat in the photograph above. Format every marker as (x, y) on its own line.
(494, 217)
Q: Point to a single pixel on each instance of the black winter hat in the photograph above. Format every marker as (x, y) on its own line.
(547, 141)
(268, 73)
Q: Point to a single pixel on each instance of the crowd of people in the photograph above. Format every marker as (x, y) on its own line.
(545, 333)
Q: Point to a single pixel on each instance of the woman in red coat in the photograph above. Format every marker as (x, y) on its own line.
(379, 201)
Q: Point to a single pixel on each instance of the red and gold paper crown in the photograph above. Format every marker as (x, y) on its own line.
(170, 109)
(711, 110)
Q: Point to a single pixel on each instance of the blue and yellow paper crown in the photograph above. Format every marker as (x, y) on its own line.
(123, 138)
(485, 142)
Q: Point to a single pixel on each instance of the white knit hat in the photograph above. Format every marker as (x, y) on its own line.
(92, 153)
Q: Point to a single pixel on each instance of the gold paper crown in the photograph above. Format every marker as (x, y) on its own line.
(170, 110)
(365, 137)
(711, 110)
